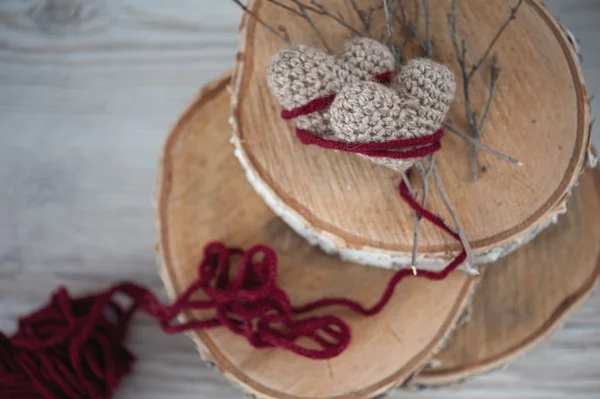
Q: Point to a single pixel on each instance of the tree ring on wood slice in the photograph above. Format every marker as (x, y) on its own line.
(529, 295)
(202, 195)
(350, 206)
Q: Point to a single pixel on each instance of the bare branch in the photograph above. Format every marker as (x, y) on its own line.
(274, 31)
(494, 74)
(406, 181)
(417, 11)
(390, 29)
(427, 28)
(314, 28)
(512, 15)
(370, 18)
(301, 12)
(467, 90)
(362, 15)
(402, 18)
(453, 35)
(475, 160)
(286, 7)
(412, 31)
(481, 146)
(425, 173)
(459, 228)
(316, 8)
(413, 34)
(322, 10)
(461, 53)
(461, 56)
(388, 21)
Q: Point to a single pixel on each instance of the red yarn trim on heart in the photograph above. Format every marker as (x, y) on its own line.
(396, 149)
(323, 103)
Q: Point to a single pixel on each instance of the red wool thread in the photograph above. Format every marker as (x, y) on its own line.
(73, 347)
(417, 147)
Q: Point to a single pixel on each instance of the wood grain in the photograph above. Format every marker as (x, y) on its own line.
(540, 116)
(84, 117)
(202, 195)
(525, 296)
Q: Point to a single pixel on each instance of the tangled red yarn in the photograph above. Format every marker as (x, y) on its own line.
(73, 347)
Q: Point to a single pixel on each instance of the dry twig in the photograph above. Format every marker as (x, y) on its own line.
(425, 174)
(302, 13)
(274, 31)
(453, 129)
(322, 10)
(406, 181)
(459, 229)
(397, 9)
(494, 74)
(429, 47)
(394, 9)
(411, 28)
(467, 73)
(365, 17)
(390, 7)
(513, 15)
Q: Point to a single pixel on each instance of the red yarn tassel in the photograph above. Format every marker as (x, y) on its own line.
(72, 348)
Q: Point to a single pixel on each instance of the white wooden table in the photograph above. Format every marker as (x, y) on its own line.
(87, 96)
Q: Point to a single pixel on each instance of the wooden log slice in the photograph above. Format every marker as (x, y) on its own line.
(529, 294)
(203, 195)
(350, 206)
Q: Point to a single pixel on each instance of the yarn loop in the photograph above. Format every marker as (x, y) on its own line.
(73, 347)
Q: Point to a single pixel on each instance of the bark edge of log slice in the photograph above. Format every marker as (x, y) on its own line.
(317, 192)
(508, 317)
(197, 199)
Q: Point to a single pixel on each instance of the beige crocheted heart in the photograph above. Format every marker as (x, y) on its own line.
(301, 74)
(415, 106)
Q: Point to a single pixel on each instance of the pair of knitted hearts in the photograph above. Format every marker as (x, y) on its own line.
(414, 105)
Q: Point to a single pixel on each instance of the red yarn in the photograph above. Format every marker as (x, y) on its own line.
(323, 103)
(72, 348)
(397, 149)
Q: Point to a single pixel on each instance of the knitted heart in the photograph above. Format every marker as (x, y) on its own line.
(301, 74)
(415, 106)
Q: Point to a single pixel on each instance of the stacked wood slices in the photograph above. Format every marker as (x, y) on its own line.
(233, 170)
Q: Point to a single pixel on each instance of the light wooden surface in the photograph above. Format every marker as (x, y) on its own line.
(344, 201)
(526, 295)
(85, 105)
(386, 348)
